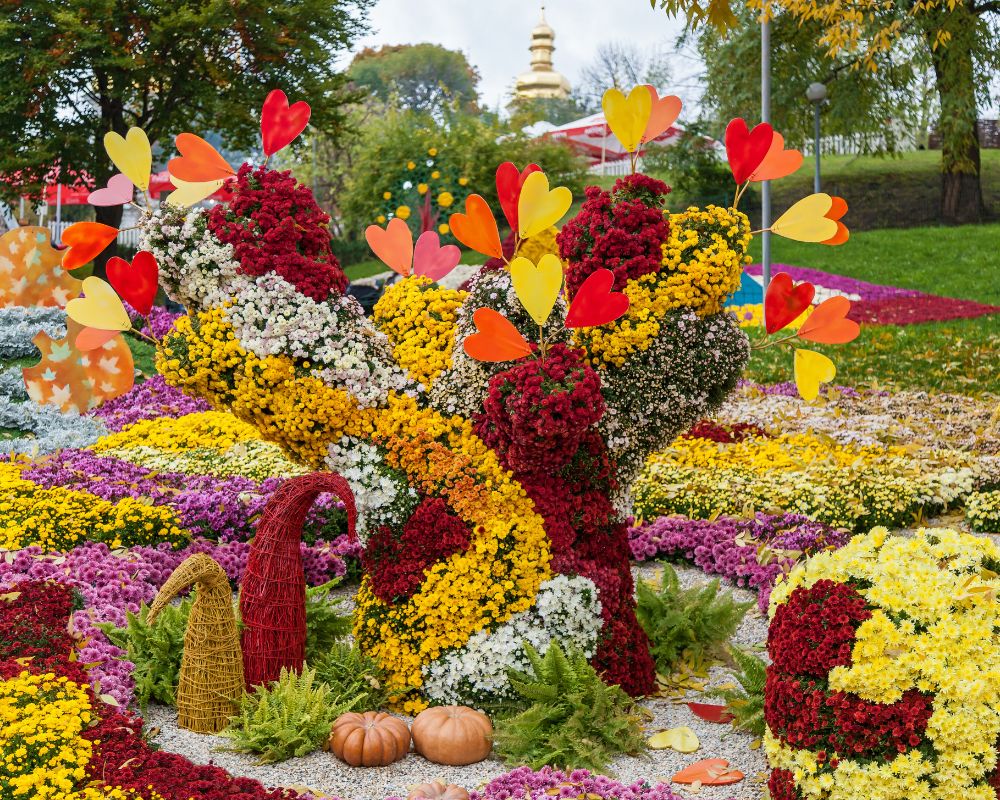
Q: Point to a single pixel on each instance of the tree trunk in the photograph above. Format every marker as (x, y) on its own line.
(961, 190)
(108, 215)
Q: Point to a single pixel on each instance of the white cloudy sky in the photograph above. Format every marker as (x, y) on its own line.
(494, 34)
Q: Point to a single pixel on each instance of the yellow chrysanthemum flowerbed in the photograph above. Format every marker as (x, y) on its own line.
(496, 578)
(419, 317)
(215, 430)
(913, 712)
(57, 519)
(849, 486)
(751, 315)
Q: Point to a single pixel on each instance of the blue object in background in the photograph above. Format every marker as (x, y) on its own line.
(750, 292)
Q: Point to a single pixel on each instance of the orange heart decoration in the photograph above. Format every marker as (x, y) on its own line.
(85, 241)
(393, 246)
(476, 228)
(198, 162)
(778, 162)
(709, 772)
(837, 210)
(828, 323)
(496, 338)
(665, 112)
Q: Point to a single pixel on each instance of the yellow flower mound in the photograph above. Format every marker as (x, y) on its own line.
(58, 519)
(419, 317)
(705, 254)
(538, 245)
(500, 574)
(934, 616)
(217, 430)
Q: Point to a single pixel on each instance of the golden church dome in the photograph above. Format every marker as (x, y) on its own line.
(542, 80)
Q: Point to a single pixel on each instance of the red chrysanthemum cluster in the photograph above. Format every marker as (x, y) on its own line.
(622, 230)
(537, 412)
(724, 434)
(814, 631)
(396, 564)
(540, 418)
(275, 225)
(121, 756)
(781, 785)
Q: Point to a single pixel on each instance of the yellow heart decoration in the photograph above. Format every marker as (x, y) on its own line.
(131, 154)
(100, 307)
(812, 369)
(683, 740)
(188, 193)
(627, 116)
(537, 287)
(538, 208)
(804, 221)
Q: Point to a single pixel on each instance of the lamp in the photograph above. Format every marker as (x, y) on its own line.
(816, 93)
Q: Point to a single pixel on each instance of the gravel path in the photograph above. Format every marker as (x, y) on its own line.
(324, 774)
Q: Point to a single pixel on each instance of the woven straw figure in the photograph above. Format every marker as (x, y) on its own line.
(273, 590)
(211, 679)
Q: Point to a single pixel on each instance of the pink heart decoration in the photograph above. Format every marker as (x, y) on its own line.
(136, 282)
(116, 193)
(281, 123)
(433, 260)
(746, 149)
(91, 338)
(595, 303)
(509, 183)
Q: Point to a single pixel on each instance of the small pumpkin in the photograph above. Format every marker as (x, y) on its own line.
(372, 739)
(452, 735)
(436, 790)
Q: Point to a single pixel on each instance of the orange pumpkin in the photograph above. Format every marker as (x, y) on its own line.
(452, 735)
(372, 739)
(436, 790)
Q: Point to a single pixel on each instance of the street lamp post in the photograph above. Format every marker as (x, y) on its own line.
(817, 96)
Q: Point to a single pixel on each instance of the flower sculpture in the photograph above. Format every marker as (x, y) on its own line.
(489, 435)
(885, 679)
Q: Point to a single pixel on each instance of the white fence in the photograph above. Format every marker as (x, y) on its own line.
(127, 239)
(858, 144)
(615, 168)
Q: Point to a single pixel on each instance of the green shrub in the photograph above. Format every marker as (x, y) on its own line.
(746, 701)
(350, 673)
(686, 624)
(291, 716)
(325, 625)
(155, 650)
(571, 718)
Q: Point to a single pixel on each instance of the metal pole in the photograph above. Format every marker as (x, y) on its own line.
(58, 236)
(765, 116)
(816, 150)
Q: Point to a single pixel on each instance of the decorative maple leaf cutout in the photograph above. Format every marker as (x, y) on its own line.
(31, 272)
(76, 381)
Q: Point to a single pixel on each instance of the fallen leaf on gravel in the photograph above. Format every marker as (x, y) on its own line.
(683, 740)
(709, 772)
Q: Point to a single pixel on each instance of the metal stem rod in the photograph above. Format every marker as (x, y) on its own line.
(816, 153)
(765, 116)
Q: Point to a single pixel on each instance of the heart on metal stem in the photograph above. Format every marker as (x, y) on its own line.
(280, 123)
(118, 192)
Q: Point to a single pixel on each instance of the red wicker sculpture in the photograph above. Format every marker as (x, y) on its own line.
(273, 591)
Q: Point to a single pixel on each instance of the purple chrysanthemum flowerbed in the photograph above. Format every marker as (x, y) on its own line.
(733, 548)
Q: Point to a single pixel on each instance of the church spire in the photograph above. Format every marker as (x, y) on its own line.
(542, 80)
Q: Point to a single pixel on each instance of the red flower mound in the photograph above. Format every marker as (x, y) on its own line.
(537, 412)
(274, 225)
(803, 714)
(781, 785)
(725, 434)
(814, 631)
(396, 565)
(33, 620)
(917, 308)
(622, 230)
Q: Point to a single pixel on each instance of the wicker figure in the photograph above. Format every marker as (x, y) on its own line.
(273, 591)
(211, 679)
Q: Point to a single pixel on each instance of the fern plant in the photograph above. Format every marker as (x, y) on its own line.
(155, 650)
(746, 701)
(325, 624)
(570, 719)
(351, 673)
(688, 624)
(291, 716)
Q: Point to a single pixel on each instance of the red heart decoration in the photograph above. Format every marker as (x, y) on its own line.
(746, 149)
(281, 123)
(828, 324)
(509, 183)
(496, 338)
(85, 241)
(595, 303)
(136, 282)
(784, 302)
(710, 712)
(199, 162)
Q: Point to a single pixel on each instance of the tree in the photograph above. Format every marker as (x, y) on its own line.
(72, 71)
(960, 37)
(419, 77)
(621, 65)
(525, 111)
